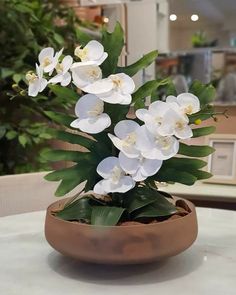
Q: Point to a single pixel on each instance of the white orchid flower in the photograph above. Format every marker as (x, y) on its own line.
(153, 117)
(36, 81)
(126, 132)
(91, 119)
(114, 176)
(175, 123)
(188, 103)
(139, 168)
(86, 75)
(155, 146)
(47, 59)
(116, 89)
(63, 76)
(92, 54)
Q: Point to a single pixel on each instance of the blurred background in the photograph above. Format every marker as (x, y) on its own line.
(196, 39)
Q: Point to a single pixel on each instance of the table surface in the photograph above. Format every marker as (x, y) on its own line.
(29, 266)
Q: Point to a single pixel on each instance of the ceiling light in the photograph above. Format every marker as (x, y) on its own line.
(106, 20)
(194, 17)
(173, 17)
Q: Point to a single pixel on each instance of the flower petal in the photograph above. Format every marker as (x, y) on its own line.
(127, 85)
(43, 84)
(125, 127)
(95, 50)
(34, 88)
(150, 167)
(98, 188)
(106, 166)
(86, 104)
(102, 59)
(56, 79)
(98, 87)
(66, 63)
(129, 165)
(190, 102)
(114, 97)
(85, 75)
(93, 125)
(184, 133)
(141, 114)
(138, 176)
(66, 79)
(46, 52)
(125, 184)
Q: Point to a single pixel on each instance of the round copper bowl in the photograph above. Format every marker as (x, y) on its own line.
(120, 244)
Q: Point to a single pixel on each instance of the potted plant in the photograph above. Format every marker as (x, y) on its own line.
(122, 216)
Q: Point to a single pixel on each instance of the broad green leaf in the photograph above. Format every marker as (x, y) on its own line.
(82, 37)
(197, 132)
(106, 216)
(64, 155)
(65, 93)
(147, 89)
(68, 184)
(59, 118)
(160, 208)
(175, 175)
(11, 134)
(23, 139)
(195, 150)
(143, 63)
(201, 174)
(139, 198)
(70, 173)
(113, 44)
(3, 131)
(5, 73)
(17, 78)
(205, 93)
(79, 210)
(179, 163)
(72, 138)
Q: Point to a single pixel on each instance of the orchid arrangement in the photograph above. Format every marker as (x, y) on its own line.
(127, 154)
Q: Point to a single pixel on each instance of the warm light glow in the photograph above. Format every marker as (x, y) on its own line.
(194, 17)
(173, 17)
(106, 20)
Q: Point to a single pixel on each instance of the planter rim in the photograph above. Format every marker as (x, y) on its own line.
(190, 204)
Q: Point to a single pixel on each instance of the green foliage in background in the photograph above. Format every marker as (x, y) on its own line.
(27, 27)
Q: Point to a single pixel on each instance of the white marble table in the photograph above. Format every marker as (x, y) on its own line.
(29, 266)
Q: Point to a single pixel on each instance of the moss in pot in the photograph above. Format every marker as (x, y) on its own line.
(125, 159)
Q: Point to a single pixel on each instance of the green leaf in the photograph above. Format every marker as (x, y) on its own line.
(205, 93)
(68, 185)
(23, 139)
(65, 93)
(17, 78)
(63, 155)
(79, 210)
(195, 150)
(146, 90)
(180, 163)
(113, 44)
(201, 174)
(3, 131)
(197, 132)
(82, 37)
(71, 172)
(72, 138)
(160, 208)
(11, 134)
(175, 175)
(105, 215)
(140, 197)
(5, 73)
(144, 62)
(59, 118)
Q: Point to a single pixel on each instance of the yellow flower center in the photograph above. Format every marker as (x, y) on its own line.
(180, 125)
(59, 68)
(164, 142)
(31, 77)
(82, 53)
(93, 73)
(117, 82)
(46, 62)
(188, 110)
(130, 139)
(96, 110)
(116, 174)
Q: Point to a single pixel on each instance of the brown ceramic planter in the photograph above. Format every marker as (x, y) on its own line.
(121, 244)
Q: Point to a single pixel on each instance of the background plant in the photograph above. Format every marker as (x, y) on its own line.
(26, 27)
